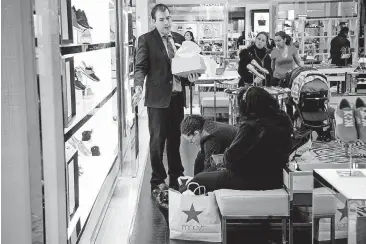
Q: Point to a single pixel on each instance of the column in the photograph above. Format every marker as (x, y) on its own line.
(21, 154)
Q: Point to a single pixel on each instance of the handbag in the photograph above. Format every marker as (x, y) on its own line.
(194, 217)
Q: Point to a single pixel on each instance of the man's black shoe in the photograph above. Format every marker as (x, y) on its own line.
(156, 189)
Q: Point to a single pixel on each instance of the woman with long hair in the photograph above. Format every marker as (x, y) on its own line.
(189, 36)
(255, 61)
(284, 55)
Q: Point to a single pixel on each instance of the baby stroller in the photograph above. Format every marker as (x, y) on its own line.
(310, 96)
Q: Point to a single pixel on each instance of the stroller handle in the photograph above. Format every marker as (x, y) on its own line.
(317, 74)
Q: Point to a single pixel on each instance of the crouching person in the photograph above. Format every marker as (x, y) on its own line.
(212, 137)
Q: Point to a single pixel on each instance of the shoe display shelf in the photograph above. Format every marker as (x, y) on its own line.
(311, 32)
(91, 130)
(94, 169)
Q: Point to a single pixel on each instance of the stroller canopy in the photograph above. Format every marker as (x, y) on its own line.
(308, 81)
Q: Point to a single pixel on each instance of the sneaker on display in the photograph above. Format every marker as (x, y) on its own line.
(345, 122)
(88, 71)
(360, 115)
(79, 85)
(82, 19)
(74, 19)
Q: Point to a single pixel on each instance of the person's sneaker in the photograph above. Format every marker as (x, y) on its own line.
(360, 115)
(345, 129)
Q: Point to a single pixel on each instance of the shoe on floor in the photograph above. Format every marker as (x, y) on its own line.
(156, 189)
(360, 115)
(345, 129)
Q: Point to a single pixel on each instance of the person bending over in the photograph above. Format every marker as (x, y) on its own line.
(213, 138)
(260, 150)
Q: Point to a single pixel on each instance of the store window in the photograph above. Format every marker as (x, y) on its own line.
(91, 101)
(313, 25)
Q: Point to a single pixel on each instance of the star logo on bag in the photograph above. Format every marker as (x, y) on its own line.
(192, 214)
(344, 212)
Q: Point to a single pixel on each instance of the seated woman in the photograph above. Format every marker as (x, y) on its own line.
(255, 60)
(260, 150)
(213, 138)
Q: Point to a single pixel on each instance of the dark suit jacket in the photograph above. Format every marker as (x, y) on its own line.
(152, 62)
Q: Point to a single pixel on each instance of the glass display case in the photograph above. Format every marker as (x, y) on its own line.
(79, 75)
(312, 25)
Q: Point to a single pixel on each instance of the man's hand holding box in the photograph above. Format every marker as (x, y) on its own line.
(188, 60)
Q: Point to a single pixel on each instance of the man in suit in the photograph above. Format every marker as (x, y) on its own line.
(164, 96)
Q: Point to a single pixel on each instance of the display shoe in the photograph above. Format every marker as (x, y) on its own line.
(74, 19)
(287, 25)
(360, 115)
(78, 84)
(85, 37)
(345, 129)
(95, 151)
(82, 19)
(86, 135)
(89, 71)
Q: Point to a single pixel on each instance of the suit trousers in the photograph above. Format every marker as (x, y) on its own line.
(164, 127)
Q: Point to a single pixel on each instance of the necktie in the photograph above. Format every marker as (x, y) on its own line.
(169, 47)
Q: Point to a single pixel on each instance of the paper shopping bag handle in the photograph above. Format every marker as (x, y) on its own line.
(199, 187)
(194, 183)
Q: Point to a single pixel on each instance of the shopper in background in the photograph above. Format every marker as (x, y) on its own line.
(253, 55)
(212, 137)
(241, 40)
(260, 150)
(164, 96)
(340, 45)
(284, 55)
(189, 36)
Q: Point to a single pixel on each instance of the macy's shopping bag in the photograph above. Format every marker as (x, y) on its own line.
(194, 217)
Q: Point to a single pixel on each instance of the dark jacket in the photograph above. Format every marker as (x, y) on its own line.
(260, 151)
(246, 56)
(152, 62)
(336, 46)
(220, 137)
